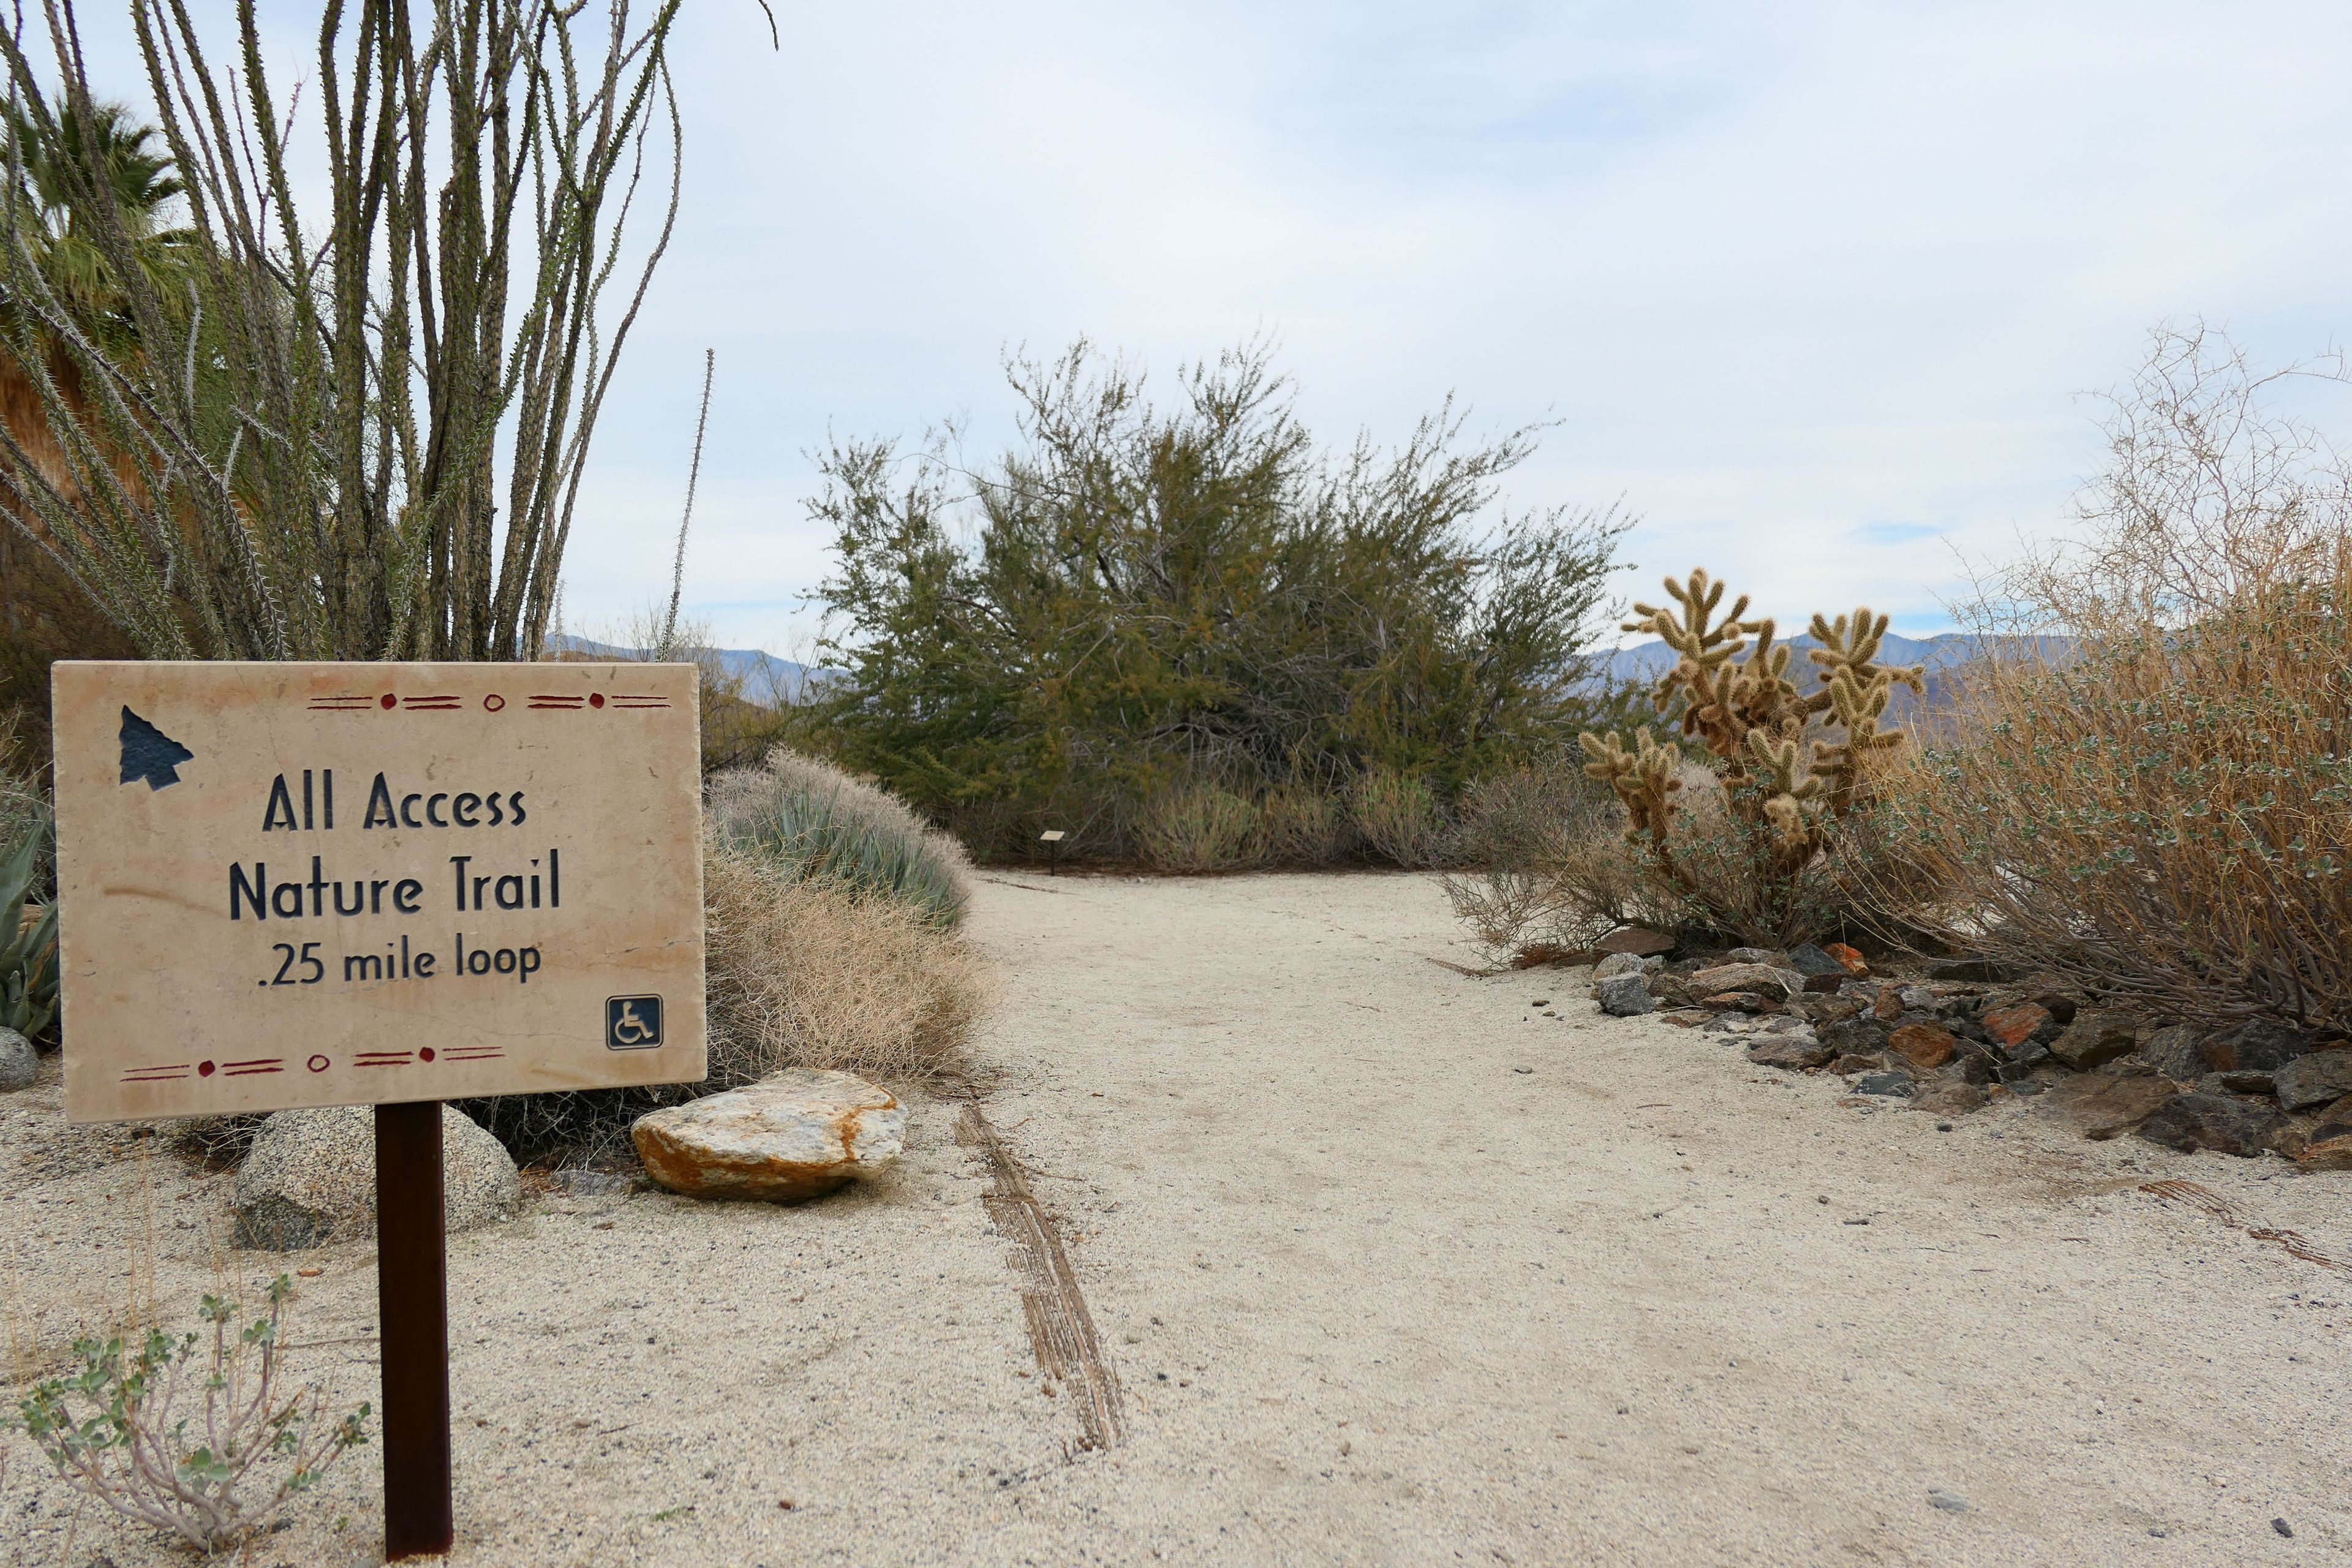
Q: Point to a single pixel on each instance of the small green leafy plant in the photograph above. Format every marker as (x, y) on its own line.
(195, 1435)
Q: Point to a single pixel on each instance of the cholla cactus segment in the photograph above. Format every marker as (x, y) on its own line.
(1850, 643)
(1644, 779)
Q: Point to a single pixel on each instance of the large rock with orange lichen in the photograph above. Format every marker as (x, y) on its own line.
(799, 1134)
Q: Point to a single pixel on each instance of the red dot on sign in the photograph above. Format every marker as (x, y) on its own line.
(203, 1070)
(425, 1055)
(494, 702)
(595, 700)
(319, 1064)
(389, 700)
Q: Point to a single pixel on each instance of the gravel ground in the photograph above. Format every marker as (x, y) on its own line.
(1392, 1266)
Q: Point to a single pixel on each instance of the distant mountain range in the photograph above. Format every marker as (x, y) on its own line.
(766, 680)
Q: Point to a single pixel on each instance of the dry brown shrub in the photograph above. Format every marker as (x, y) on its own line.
(1307, 826)
(1200, 827)
(819, 974)
(2148, 784)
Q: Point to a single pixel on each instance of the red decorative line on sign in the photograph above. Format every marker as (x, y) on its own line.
(248, 1072)
(341, 704)
(383, 1058)
(640, 701)
(429, 703)
(541, 700)
(471, 1054)
(156, 1074)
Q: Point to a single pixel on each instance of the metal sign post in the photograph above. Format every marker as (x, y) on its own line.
(291, 885)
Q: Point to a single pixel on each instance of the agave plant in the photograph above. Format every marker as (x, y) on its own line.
(28, 948)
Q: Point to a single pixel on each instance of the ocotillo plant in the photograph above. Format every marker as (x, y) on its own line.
(1791, 764)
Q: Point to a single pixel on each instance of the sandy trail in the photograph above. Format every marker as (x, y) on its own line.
(1391, 1268)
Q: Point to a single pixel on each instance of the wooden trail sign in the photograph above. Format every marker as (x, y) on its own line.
(288, 885)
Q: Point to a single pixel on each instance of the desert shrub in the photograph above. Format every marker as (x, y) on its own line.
(2159, 805)
(812, 820)
(1546, 861)
(801, 972)
(1763, 843)
(200, 1436)
(29, 947)
(1307, 824)
(1400, 816)
(1139, 598)
(1196, 826)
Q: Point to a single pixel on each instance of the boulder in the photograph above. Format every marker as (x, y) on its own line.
(1854, 964)
(2314, 1079)
(18, 1066)
(1624, 995)
(1634, 940)
(1923, 1045)
(2096, 1036)
(2014, 1025)
(1948, 1096)
(2260, 1046)
(2177, 1051)
(1793, 1049)
(799, 1134)
(310, 1178)
(2220, 1123)
(1814, 963)
(2102, 1106)
(1764, 979)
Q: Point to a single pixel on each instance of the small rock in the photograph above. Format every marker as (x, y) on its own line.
(1948, 1097)
(2023, 1060)
(1794, 1051)
(310, 1178)
(1688, 1017)
(1854, 1036)
(1897, 1083)
(2236, 1082)
(1767, 980)
(579, 1183)
(2101, 1107)
(1814, 963)
(1979, 971)
(2330, 1147)
(18, 1064)
(2061, 1006)
(2096, 1036)
(1969, 1064)
(1635, 940)
(1624, 995)
(2259, 1046)
(1740, 1002)
(1847, 1067)
(2177, 1052)
(2281, 1526)
(2306, 1081)
(2220, 1124)
(1950, 1502)
(799, 1134)
(1918, 999)
(1626, 963)
(1923, 1045)
(1854, 964)
(1889, 1005)
(1763, 955)
(2016, 1024)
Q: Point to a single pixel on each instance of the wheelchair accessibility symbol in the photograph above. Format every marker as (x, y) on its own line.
(632, 1023)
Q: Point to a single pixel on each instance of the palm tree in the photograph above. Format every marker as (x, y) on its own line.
(141, 182)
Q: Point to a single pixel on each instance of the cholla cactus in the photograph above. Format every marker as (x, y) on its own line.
(1793, 761)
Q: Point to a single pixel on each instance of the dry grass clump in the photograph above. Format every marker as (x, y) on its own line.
(1198, 826)
(820, 974)
(800, 972)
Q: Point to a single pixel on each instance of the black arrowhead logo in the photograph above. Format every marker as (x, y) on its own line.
(149, 753)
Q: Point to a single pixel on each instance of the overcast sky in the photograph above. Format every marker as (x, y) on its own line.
(1817, 288)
